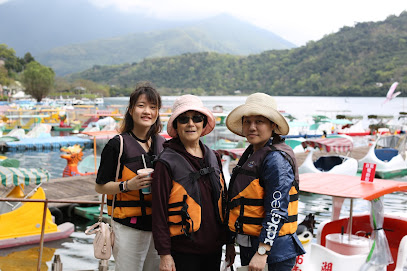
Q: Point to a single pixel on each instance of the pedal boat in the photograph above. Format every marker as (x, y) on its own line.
(375, 241)
(21, 222)
(329, 163)
(388, 153)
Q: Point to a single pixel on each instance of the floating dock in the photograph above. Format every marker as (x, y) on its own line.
(44, 144)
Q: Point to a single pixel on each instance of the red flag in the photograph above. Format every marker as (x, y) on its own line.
(368, 172)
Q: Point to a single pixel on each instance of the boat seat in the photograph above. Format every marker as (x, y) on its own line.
(17, 192)
(386, 154)
(326, 163)
(321, 258)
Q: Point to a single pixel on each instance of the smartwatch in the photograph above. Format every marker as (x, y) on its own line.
(263, 251)
(122, 188)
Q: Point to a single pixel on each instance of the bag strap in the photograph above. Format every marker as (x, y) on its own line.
(117, 177)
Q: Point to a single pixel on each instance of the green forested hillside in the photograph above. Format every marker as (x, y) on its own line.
(363, 60)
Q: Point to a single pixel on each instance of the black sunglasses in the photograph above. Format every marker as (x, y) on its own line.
(185, 119)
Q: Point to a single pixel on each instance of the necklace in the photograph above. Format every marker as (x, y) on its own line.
(138, 139)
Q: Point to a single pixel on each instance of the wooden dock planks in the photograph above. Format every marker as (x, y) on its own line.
(70, 188)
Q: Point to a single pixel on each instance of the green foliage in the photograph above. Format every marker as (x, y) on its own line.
(13, 65)
(80, 87)
(38, 80)
(11, 62)
(4, 78)
(363, 60)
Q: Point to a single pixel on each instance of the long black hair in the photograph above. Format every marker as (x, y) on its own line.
(152, 95)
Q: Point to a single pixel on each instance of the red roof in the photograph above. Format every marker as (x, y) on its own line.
(234, 153)
(337, 144)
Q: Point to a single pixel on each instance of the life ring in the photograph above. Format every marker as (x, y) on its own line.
(71, 209)
(58, 215)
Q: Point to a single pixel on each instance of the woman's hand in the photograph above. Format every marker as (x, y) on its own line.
(230, 254)
(258, 262)
(139, 182)
(167, 263)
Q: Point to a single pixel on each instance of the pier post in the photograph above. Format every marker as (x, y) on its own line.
(57, 264)
(44, 216)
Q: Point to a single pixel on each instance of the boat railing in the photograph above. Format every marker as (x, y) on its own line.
(44, 215)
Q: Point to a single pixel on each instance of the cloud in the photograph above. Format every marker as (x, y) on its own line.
(295, 20)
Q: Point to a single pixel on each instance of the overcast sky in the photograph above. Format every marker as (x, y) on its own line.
(297, 21)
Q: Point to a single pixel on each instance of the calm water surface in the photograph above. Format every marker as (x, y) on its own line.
(77, 252)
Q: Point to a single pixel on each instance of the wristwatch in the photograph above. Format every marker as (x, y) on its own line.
(263, 251)
(122, 187)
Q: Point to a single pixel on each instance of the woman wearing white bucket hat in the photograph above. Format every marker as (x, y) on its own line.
(189, 194)
(263, 190)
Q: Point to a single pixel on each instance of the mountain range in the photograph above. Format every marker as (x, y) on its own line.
(72, 36)
(40, 25)
(363, 60)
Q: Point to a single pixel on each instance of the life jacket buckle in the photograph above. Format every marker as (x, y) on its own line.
(238, 226)
(184, 211)
(185, 230)
(204, 171)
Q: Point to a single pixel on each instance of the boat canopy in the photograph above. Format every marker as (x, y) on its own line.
(348, 186)
(15, 176)
(234, 153)
(101, 133)
(336, 144)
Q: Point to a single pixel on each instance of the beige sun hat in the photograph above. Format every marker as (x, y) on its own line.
(186, 103)
(257, 104)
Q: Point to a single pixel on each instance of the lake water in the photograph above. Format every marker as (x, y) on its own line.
(77, 252)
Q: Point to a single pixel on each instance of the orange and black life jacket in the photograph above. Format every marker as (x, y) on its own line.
(133, 203)
(184, 205)
(246, 192)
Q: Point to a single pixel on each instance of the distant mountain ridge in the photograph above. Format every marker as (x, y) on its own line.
(71, 36)
(222, 34)
(363, 60)
(40, 25)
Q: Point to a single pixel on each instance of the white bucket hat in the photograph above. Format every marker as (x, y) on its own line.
(257, 104)
(186, 103)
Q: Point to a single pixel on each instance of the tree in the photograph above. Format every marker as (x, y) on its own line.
(4, 80)
(38, 80)
(8, 55)
(28, 58)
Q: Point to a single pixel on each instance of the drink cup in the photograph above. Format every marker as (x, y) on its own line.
(148, 171)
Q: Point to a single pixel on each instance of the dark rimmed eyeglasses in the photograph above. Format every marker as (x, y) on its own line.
(185, 119)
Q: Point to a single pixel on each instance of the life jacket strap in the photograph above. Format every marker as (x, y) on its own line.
(129, 203)
(245, 201)
(251, 220)
(143, 204)
(239, 170)
(194, 176)
(294, 197)
(148, 158)
(238, 222)
(185, 226)
(292, 218)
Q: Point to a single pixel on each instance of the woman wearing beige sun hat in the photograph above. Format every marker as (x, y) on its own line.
(263, 190)
(189, 193)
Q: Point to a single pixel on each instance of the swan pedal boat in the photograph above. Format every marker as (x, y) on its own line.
(21, 222)
(334, 163)
(387, 153)
(359, 247)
